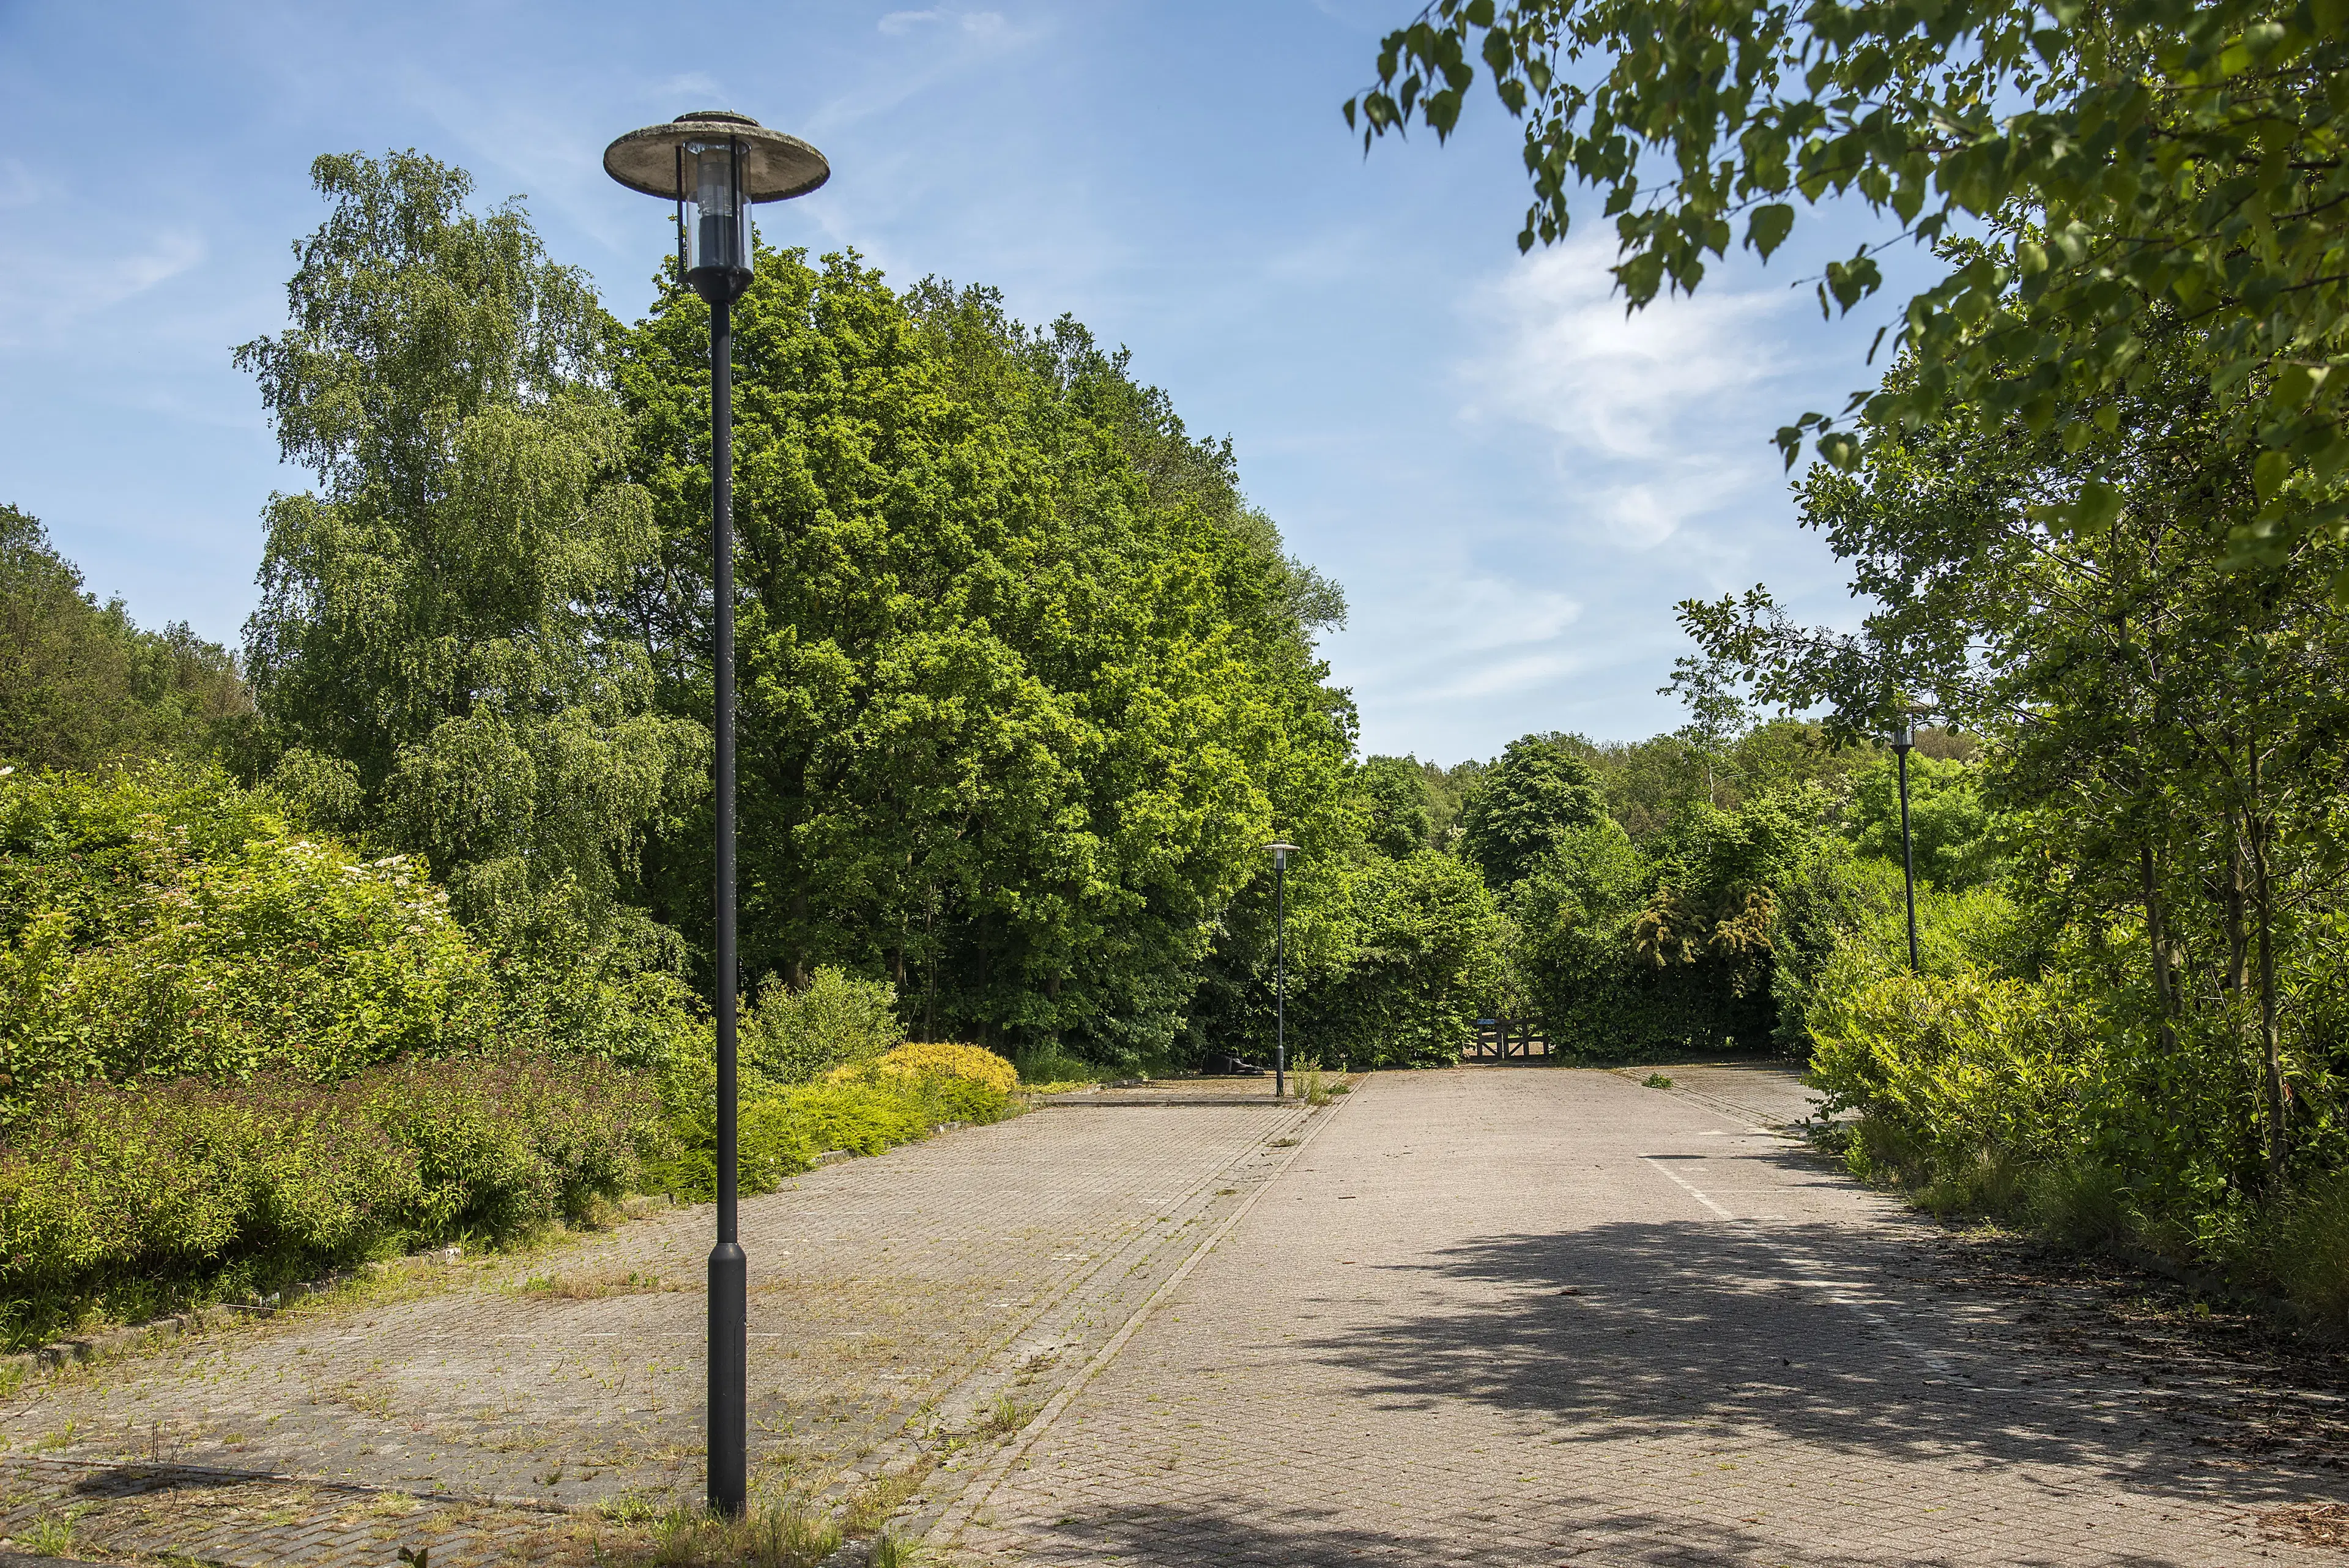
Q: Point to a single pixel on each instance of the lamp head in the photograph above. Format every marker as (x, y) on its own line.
(1280, 854)
(714, 164)
(1904, 734)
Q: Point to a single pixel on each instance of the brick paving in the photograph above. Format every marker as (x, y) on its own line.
(1539, 1316)
(1498, 1315)
(890, 1298)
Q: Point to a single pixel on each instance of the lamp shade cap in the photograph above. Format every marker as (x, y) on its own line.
(775, 167)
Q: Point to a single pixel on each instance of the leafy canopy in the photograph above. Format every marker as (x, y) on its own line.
(434, 655)
(2079, 168)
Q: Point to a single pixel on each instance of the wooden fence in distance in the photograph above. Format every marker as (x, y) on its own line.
(1505, 1039)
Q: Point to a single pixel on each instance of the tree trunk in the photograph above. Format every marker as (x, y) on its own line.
(2262, 834)
(2233, 895)
(2157, 930)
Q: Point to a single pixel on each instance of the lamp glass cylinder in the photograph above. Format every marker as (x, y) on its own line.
(717, 230)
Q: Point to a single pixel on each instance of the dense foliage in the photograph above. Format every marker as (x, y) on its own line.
(133, 1196)
(2096, 511)
(437, 667)
(1025, 681)
(82, 686)
(162, 924)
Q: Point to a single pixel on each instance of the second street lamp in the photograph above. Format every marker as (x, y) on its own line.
(1280, 854)
(714, 164)
(1904, 736)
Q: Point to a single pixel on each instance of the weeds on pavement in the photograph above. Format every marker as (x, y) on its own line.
(1008, 1415)
(779, 1535)
(50, 1536)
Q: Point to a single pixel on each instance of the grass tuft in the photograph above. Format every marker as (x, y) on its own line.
(1008, 1415)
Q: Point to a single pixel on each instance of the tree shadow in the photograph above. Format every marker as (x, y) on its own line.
(1813, 1334)
(1232, 1532)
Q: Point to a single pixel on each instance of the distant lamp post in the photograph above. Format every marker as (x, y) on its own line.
(1904, 736)
(1280, 854)
(714, 165)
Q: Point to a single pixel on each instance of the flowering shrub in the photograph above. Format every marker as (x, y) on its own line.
(164, 1187)
(160, 925)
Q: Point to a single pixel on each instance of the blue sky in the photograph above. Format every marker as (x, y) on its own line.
(1514, 483)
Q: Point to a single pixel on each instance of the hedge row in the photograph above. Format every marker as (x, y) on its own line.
(863, 1108)
(166, 1188)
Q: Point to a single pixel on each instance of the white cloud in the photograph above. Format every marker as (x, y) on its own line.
(38, 297)
(898, 23)
(1563, 354)
(1464, 635)
(1656, 417)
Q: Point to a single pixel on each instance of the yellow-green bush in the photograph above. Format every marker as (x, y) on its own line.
(865, 1107)
(917, 1062)
(1961, 1078)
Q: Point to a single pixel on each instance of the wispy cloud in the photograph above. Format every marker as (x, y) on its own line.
(1467, 635)
(1656, 417)
(898, 23)
(38, 298)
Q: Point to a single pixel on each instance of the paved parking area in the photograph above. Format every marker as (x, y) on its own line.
(1515, 1316)
(1491, 1315)
(891, 1299)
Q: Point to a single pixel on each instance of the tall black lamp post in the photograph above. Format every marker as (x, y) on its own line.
(714, 165)
(1280, 854)
(1904, 736)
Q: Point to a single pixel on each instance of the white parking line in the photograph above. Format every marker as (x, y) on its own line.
(1810, 1272)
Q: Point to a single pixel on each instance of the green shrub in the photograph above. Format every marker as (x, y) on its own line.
(147, 1192)
(2083, 1201)
(1050, 1065)
(834, 1020)
(2308, 1248)
(163, 924)
(781, 1128)
(1957, 1077)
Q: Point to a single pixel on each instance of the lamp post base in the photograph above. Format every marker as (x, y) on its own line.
(729, 1358)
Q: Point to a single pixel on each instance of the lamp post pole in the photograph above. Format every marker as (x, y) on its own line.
(1903, 737)
(1280, 854)
(730, 1269)
(714, 164)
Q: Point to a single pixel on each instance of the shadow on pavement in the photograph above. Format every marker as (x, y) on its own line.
(1693, 1327)
(1237, 1531)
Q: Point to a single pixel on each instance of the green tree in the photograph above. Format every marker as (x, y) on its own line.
(81, 685)
(436, 654)
(1397, 791)
(1539, 789)
(2130, 160)
(2165, 726)
(1421, 951)
(1952, 832)
(1026, 685)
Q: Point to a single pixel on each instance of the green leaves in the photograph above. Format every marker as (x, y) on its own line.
(2200, 175)
(1768, 226)
(1025, 682)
